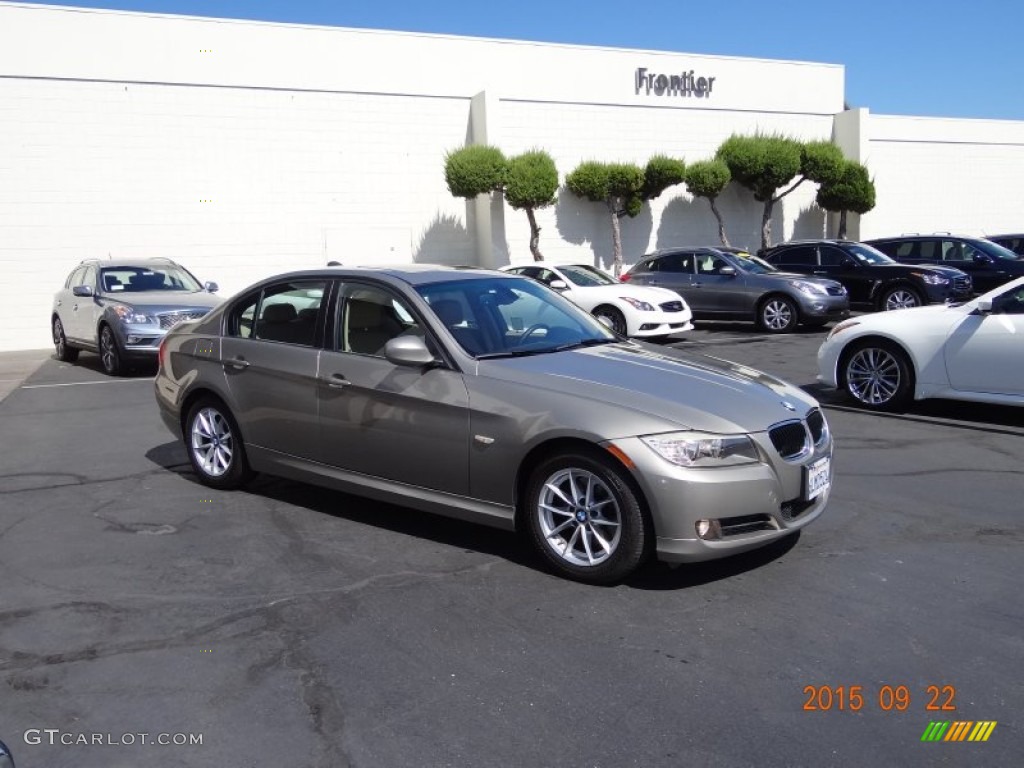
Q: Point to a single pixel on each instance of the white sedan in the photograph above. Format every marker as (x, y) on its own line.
(630, 310)
(971, 351)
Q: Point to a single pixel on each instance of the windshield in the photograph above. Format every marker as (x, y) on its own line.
(753, 264)
(510, 317)
(865, 254)
(134, 279)
(995, 250)
(586, 277)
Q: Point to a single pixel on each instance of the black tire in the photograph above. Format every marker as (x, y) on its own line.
(214, 445)
(615, 317)
(899, 297)
(65, 352)
(777, 314)
(110, 353)
(612, 532)
(878, 375)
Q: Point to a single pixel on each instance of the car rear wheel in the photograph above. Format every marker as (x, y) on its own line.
(110, 353)
(778, 314)
(901, 297)
(65, 353)
(878, 375)
(214, 445)
(616, 320)
(585, 519)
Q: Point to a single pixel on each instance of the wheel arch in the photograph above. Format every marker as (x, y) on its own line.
(609, 304)
(777, 293)
(563, 445)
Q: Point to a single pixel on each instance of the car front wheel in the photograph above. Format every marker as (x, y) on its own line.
(878, 375)
(615, 319)
(110, 353)
(214, 445)
(900, 297)
(585, 519)
(778, 315)
(65, 353)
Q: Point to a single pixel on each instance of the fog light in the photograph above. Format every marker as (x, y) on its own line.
(708, 529)
(134, 339)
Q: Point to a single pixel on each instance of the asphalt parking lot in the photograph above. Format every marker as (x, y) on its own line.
(292, 626)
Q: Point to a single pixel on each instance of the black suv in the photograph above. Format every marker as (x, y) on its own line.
(1014, 242)
(989, 265)
(873, 280)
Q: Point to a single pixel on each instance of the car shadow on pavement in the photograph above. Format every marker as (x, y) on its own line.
(468, 536)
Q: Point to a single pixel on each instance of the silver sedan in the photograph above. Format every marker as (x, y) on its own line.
(490, 397)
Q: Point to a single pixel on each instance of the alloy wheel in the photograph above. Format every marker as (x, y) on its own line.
(777, 315)
(579, 517)
(212, 442)
(901, 298)
(873, 376)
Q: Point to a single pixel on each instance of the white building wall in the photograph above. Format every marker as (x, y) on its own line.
(944, 175)
(243, 148)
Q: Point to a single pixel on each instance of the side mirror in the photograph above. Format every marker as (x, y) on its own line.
(211, 287)
(984, 306)
(727, 271)
(409, 351)
(982, 258)
(848, 262)
(83, 291)
(6, 761)
(558, 285)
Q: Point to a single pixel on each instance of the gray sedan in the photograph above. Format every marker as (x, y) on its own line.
(729, 284)
(490, 397)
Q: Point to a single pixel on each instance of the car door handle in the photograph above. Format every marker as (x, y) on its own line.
(336, 381)
(237, 362)
(820, 272)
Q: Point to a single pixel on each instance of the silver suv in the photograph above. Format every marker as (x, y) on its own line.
(122, 309)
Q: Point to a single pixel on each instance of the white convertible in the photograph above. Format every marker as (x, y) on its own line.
(630, 310)
(971, 351)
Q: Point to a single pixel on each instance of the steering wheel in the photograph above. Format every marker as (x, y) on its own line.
(531, 330)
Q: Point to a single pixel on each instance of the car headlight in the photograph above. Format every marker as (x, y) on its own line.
(129, 315)
(643, 306)
(811, 289)
(840, 327)
(932, 279)
(701, 449)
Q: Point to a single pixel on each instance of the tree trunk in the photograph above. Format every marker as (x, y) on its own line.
(842, 225)
(534, 235)
(721, 222)
(616, 240)
(766, 223)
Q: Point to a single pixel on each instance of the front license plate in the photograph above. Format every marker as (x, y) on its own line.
(818, 478)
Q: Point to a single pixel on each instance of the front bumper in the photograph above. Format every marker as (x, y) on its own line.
(662, 323)
(752, 505)
(824, 307)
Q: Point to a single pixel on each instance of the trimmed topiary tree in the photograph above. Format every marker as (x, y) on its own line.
(623, 187)
(708, 178)
(766, 163)
(474, 170)
(853, 191)
(532, 183)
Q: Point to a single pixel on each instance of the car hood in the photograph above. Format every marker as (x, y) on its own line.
(675, 389)
(165, 300)
(648, 293)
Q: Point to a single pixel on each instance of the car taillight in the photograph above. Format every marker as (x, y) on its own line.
(625, 278)
(162, 352)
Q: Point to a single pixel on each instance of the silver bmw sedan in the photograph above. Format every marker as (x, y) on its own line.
(490, 397)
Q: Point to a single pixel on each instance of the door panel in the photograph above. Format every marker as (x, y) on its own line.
(985, 353)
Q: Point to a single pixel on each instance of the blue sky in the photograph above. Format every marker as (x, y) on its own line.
(904, 57)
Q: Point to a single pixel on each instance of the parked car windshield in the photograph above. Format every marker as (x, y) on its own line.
(995, 250)
(133, 279)
(586, 277)
(865, 254)
(511, 317)
(753, 264)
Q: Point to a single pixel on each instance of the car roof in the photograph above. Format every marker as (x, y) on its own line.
(685, 249)
(413, 274)
(145, 261)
